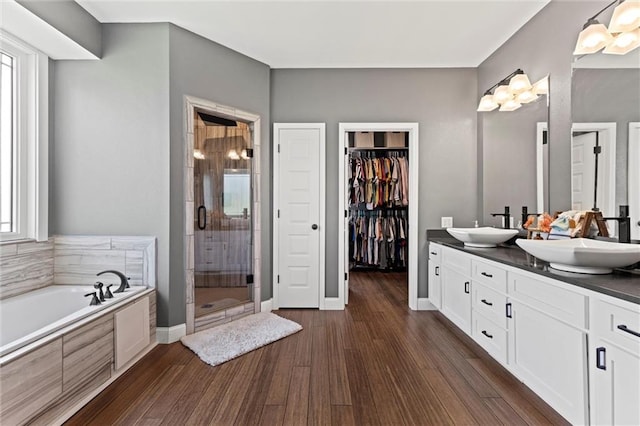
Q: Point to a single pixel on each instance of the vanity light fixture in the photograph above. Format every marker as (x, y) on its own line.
(541, 87)
(621, 37)
(198, 155)
(513, 91)
(510, 105)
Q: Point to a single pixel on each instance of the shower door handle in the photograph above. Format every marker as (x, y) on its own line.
(202, 223)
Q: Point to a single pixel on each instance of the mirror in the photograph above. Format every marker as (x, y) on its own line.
(605, 104)
(510, 165)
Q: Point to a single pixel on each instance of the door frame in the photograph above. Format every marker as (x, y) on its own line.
(412, 129)
(322, 207)
(192, 103)
(633, 178)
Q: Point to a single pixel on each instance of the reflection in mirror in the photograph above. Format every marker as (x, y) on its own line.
(510, 166)
(605, 101)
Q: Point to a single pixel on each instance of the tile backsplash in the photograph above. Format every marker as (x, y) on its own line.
(28, 266)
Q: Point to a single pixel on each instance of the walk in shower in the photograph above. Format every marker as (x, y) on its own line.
(223, 267)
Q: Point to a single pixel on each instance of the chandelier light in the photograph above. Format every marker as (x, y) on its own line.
(621, 37)
(512, 92)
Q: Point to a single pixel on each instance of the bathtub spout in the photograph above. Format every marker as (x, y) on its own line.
(124, 280)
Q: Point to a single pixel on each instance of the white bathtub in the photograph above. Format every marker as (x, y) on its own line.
(36, 314)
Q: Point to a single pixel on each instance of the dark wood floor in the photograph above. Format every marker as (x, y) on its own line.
(377, 362)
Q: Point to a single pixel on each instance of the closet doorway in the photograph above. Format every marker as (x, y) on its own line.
(221, 174)
(378, 199)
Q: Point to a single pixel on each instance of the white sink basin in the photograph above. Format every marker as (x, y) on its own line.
(482, 237)
(582, 255)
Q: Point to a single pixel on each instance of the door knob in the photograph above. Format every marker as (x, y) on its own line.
(314, 226)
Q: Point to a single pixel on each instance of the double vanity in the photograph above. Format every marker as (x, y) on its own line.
(574, 339)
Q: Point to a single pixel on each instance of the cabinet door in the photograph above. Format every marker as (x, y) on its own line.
(615, 385)
(549, 356)
(456, 298)
(131, 331)
(435, 291)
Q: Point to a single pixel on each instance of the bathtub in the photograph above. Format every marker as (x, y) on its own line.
(32, 316)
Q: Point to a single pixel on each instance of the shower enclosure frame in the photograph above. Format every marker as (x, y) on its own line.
(191, 105)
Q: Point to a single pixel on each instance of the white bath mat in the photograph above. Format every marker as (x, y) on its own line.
(220, 344)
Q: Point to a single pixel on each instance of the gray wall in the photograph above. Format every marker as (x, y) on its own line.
(111, 143)
(210, 71)
(543, 46)
(70, 19)
(609, 95)
(442, 101)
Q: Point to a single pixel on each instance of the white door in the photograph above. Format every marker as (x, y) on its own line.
(583, 167)
(634, 179)
(299, 215)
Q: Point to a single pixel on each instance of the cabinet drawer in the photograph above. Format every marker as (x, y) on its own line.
(457, 260)
(617, 324)
(490, 274)
(490, 336)
(435, 253)
(550, 298)
(490, 303)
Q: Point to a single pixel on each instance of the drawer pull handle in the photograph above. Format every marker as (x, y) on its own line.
(601, 360)
(486, 275)
(486, 303)
(627, 330)
(437, 271)
(434, 253)
(466, 287)
(508, 309)
(487, 334)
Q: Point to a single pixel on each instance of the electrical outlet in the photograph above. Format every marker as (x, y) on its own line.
(446, 222)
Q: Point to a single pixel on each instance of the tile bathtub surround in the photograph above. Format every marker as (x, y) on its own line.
(77, 259)
(25, 266)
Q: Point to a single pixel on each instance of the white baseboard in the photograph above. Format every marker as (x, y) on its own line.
(333, 304)
(425, 305)
(266, 306)
(166, 335)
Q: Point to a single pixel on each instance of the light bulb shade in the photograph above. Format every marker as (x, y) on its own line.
(198, 154)
(626, 17)
(526, 97)
(624, 43)
(502, 94)
(487, 104)
(233, 154)
(541, 87)
(519, 83)
(593, 38)
(510, 105)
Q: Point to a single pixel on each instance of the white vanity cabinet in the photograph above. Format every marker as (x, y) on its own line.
(548, 342)
(456, 287)
(615, 362)
(534, 326)
(435, 270)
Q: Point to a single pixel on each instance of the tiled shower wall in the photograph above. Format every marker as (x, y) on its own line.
(28, 266)
(24, 267)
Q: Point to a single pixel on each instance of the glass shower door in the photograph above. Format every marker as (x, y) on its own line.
(223, 218)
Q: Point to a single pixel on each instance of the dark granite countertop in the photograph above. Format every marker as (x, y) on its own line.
(620, 284)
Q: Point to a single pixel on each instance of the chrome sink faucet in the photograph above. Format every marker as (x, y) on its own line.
(124, 280)
(506, 217)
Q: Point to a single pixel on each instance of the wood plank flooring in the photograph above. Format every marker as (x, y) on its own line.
(377, 362)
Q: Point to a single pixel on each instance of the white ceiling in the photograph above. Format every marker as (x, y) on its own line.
(339, 34)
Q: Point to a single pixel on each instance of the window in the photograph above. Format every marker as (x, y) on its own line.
(7, 114)
(23, 141)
